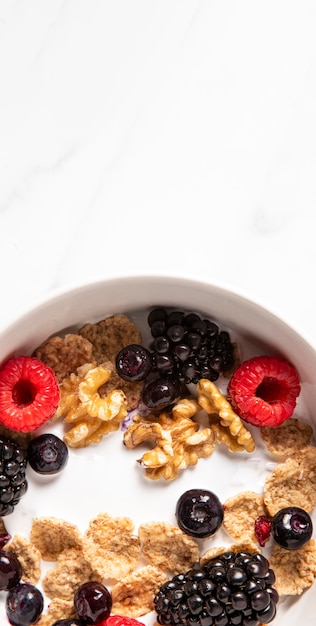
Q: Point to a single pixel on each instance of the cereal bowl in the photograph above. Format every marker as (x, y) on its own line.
(105, 477)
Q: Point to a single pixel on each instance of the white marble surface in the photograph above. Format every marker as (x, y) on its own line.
(169, 136)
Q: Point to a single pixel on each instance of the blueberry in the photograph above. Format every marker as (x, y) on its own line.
(133, 363)
(47, 454)
(93, 602)
(24, 604)
(199, 512)
(292, 527)
(160, 393)
(10, 570)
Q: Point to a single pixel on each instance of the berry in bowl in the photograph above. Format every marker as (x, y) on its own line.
(157, 459)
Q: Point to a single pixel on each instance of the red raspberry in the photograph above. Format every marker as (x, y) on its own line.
(120, 620)
(263, 390)
(29, 394)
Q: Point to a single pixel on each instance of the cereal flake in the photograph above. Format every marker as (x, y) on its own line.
(110, 546)
(134, 595)
(109, 336)
(285, 440)
(71, 570)
(29, 557)
(301, 564)
(65, 354)
(52, 536)
(167, 547)
(292, 483)
(240, 513)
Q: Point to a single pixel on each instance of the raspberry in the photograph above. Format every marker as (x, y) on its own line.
(120, 620)
(262, 529)
(29, 394)
(263, 390)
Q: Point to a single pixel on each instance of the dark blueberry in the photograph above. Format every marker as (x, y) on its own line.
(10, 570)
(157, 315)
(47, 454)
(133, 363)
(93, 602)
(292, 527)
(24, 604)
(161, 392)
(199, 512)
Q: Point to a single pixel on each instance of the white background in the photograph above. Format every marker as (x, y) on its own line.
(170, 136)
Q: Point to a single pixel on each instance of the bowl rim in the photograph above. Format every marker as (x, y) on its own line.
(221, 287)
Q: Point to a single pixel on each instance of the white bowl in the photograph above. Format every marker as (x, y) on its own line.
(256, 325)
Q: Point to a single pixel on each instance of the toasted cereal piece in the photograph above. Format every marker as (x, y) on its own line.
(109, 336)
(29, 557)
(292, 483)
(132, 391)
(57, 609)
(52, 536)
(285, 440)
(167, 547)
(65, 354)
(134, 595)
(70, 571)
(295, 570)
(110, 546)
(241, 546)
(228, 427)
(240, 514)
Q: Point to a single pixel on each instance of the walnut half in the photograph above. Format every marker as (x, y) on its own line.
(179, 441)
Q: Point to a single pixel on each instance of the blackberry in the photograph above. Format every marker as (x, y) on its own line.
(232, 589)
(13, 483)
(188, 347)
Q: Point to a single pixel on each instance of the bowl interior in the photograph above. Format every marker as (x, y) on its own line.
(92, 302)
